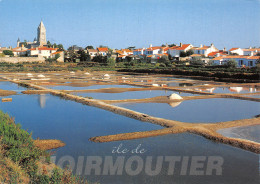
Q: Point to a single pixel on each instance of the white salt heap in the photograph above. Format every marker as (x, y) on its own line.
(175, 96)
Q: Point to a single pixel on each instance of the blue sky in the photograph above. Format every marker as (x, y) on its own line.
(123, 23)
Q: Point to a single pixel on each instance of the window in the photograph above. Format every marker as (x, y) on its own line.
(250, 63)
(241, 62)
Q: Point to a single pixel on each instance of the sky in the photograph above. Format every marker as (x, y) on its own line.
(123, 23)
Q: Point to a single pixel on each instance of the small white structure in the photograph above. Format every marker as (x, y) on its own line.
(87, 73)
(155, 85)
(41, 76)
(29, 75)
(175, 96)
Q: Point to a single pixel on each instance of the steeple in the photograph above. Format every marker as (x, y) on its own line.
(18, 42)
(41, 36)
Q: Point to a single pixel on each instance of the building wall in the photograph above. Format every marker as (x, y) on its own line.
(21, 59)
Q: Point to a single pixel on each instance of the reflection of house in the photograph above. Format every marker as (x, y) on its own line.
(236, 89)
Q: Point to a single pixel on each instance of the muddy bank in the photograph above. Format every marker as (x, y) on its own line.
(6, 92)
(48, 144)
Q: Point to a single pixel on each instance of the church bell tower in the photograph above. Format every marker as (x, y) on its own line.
(41, 36)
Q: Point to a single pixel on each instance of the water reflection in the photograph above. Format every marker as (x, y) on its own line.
(42, 100)
(245, 89)
(174, 104)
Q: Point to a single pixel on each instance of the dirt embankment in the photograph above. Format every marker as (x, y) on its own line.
(48, 144)
(6, 92)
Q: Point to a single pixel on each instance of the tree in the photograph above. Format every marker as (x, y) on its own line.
(111, 61)
(55, 45)
(57, 56)
(89, 47)
(49, 44)
(183, 54)
(60, 46)
(83, 55)
(100, 59)
(164, 59)
(25, 43)
(231, 63)
(196, 61)
(189, 52)
(8, 52)
(171, 45)
(102, 46)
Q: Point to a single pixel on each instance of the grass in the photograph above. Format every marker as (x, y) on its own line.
(20, 159)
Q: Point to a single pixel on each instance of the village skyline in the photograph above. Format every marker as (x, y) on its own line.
(123, 24)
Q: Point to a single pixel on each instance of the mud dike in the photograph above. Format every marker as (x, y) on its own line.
(207, 130)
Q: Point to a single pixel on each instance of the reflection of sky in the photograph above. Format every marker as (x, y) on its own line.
(132, 94)
(89, 87)
(75, 123)
(5, 85)
(247, 132)
(204, 110)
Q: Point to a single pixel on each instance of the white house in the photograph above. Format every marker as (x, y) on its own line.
(127, 52)
(237, 51)
(102, 51)
(41, 51)
(247, 61)
(152, 50)
(138, 52)
(92, 52)
(251, 51)
(176, 50)
(61, 58)
(204, 50)
(20, 51)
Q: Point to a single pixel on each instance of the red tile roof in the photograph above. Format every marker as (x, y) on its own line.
(153, 48)
(233, 49)
(102, 49)
(44, 48)
(183, 47)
